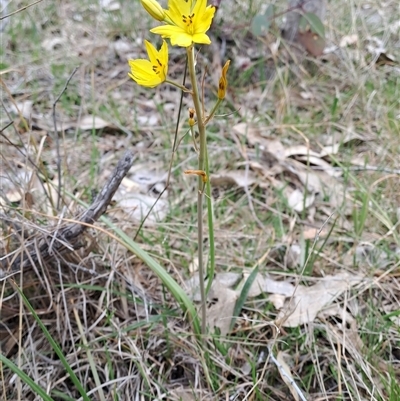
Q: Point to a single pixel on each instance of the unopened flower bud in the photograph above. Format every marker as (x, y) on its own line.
(154, 9)
(223, 82)
(191, 117)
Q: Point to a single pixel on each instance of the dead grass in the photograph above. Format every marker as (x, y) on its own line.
(109, 313)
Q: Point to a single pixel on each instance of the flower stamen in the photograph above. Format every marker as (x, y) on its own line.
(186, 22)
(151, 72)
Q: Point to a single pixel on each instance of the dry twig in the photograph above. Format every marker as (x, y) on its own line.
(66, 238)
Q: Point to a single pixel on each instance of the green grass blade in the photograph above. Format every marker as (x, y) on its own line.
(243, 295)
(55, 347)
(176, 290)
(25, 378)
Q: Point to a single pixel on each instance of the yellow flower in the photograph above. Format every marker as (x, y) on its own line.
(154, 9)
(187, 24)
(223, 82)
(154, 72)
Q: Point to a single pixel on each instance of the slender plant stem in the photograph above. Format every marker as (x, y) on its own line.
(213, 111)
(211, 269)
(178, 85)
(202, 158)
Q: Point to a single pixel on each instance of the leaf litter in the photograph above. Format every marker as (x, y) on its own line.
(308, 171)
(298, 304)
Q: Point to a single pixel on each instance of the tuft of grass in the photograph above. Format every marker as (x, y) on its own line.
(116, 311)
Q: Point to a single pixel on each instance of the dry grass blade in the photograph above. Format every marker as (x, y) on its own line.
(20, 9)
(65, 238)
(304, 169)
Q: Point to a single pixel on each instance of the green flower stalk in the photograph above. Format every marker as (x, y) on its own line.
(186, 23)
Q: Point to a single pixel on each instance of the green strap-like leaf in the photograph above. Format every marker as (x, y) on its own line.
(25, 378)
(310, 21)
(243, 295)
(56, 348)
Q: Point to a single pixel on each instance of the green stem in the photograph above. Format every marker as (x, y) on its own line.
(213, 111)
(211, 270)
(178, 85)
(202, 158)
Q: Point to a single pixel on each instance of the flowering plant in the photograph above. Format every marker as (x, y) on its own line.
(185, 24)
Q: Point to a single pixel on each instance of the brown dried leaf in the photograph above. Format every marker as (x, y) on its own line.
(299, 201)
(264, 284)
(256, 137)
(220, 313)
(312, 42)
(134, 197)
(227, 280)
(335, 141)
(91, 122)
(309, 301)
(300, 150)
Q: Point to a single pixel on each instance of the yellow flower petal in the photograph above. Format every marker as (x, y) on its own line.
(150, 72)
(203, 25)
(188, 22)
(201, 38)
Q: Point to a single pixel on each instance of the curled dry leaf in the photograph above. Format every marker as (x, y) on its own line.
(86, 123)
(309, 301)
(334, 142)
(219, 314)
(322, 164)
(135, 198)
(136, 207)
(264, 284)
(24, 108)
(90, 122)
(300, 150)
(299, 201)
(309, 160)
(227, 280)
(293, 256)
(257, 137)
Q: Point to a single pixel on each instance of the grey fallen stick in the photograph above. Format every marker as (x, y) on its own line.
(66, 237)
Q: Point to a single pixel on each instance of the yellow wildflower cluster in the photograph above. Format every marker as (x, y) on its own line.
(185, 23)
